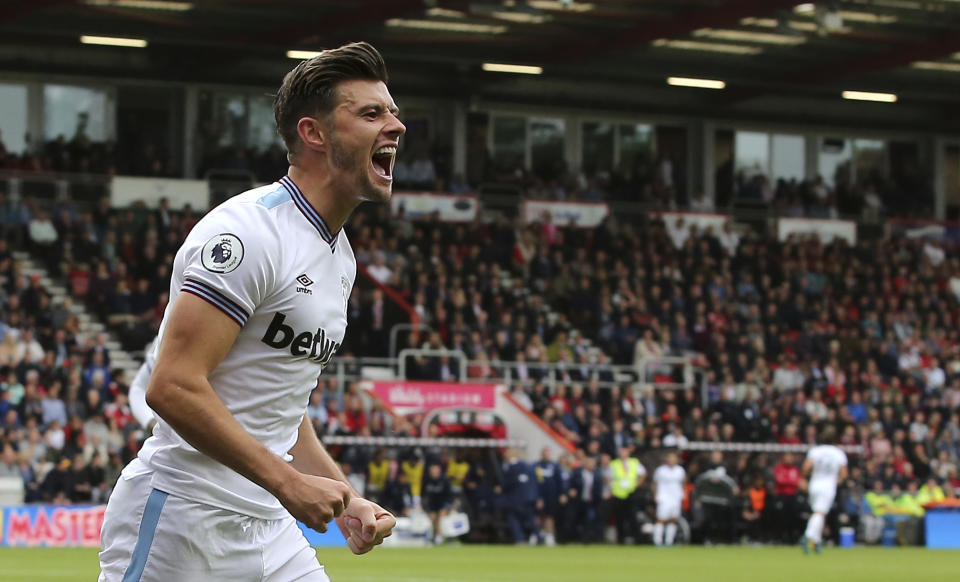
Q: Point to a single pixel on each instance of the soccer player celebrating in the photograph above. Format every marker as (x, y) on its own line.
(258, 307)
(825, 465)
(668, 482)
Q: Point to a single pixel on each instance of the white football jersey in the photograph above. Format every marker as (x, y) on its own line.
(827, 462)
(669, 481)
(267, 260)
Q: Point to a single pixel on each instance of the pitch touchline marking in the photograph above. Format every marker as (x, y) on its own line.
(58, 574)
(421, 579)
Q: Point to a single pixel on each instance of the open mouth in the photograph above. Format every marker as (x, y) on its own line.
(383, 161)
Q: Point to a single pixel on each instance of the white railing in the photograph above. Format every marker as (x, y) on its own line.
(421, 442)
(550, 375)
(404, 327)
(460, 357)
(739, 447)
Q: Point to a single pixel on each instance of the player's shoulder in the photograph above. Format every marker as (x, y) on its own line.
(244, 215)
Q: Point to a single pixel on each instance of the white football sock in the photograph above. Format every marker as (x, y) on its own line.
(815, 528)
(671, 533)
(658, 534)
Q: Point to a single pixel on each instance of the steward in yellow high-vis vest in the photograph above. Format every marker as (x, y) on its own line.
(626, 476)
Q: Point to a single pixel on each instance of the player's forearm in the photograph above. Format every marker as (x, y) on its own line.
(193, 409)
(311, 458)
(138, 400)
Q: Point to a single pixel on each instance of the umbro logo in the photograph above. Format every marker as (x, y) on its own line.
(304, 283)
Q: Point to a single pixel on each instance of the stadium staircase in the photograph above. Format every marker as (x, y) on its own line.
(119, 358)
(527, 427)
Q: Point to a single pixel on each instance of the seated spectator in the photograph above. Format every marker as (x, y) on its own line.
(58, 485)
(54, 408)
(9, 467)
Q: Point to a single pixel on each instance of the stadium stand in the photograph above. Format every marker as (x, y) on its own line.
(788, 338)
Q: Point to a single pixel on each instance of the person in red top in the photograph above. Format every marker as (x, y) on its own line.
(119, 410)
(786, 480)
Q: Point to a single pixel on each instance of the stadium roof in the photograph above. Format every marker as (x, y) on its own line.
(612, 52)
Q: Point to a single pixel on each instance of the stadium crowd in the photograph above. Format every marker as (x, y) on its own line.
(792, 339)
(657, 181)
(796, 337)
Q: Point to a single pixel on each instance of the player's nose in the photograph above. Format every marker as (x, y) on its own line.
(395, 128)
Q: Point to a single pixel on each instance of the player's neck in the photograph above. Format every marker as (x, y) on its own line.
(321, 193)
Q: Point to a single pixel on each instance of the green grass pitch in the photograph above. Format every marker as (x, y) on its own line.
(560, 564)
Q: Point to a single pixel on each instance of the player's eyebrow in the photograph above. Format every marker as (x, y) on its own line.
(379, 108)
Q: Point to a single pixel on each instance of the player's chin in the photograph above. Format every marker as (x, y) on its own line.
(379, 186)
(379, 193)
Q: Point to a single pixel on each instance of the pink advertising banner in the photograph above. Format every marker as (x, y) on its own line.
(409, 397)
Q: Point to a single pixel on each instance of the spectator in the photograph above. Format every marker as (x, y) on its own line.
(786, 505)
(379, 269)
(58, 484)
(437, 498)
(520, 498)
(53, 407)
(8, 463)
(549, 491)
(43, 234)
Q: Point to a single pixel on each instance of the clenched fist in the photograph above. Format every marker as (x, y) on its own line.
(365, 524)
(315, 500)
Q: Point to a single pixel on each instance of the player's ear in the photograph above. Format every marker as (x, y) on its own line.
(313, 133)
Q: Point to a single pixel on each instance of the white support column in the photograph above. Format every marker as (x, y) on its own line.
(939, 178)
(528, 147)
(191, 106)
(460, 139)
(572, 141)
(708, 165)
(812, 157)
(692, 164)
(110, 116)
(35, 116)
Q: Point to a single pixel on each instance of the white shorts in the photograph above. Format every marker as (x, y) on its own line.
(821, 497)
(669, 508)
(150, 536)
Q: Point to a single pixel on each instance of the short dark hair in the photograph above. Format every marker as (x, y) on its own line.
(310, 88)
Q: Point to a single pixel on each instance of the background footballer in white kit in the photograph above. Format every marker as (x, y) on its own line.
(257, 309)
(668, 482)
(826, 465)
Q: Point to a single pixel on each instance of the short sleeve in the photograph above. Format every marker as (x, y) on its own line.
(229, 262)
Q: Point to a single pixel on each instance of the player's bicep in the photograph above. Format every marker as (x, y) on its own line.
(196, 338)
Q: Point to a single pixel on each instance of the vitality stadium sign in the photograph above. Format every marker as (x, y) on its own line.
(410, 397)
